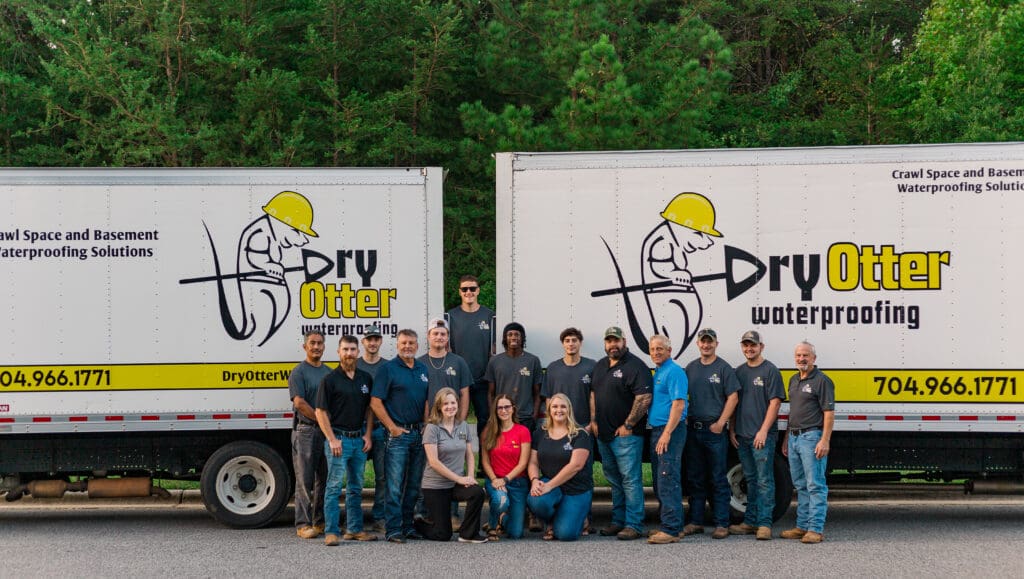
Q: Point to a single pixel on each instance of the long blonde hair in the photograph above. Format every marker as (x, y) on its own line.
(435, 411)
(493, 429)
(570, 418)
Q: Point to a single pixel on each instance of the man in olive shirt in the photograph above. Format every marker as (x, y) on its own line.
(713, 398)
(812, 402)
(622, 395)
(755, 433)
(307, 440)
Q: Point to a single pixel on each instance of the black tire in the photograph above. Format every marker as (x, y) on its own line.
(783, 490)
(245, 484)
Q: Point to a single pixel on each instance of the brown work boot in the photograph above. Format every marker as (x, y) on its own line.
(662, 538)
(764, 533)
(692, 529)
(742, 529)
(628, 534)
(611, 530)
(794, 533)
(720, 533)
(331, 540)
(360, 536)
(812, 537)
(307, 532)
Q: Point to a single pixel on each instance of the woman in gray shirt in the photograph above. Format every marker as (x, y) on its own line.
(448, 444)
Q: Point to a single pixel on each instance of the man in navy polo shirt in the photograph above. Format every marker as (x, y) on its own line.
(399, 402)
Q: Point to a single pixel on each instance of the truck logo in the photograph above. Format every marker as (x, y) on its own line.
(260, 295)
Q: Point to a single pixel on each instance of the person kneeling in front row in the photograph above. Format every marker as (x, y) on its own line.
(561, 472)
(448, 444)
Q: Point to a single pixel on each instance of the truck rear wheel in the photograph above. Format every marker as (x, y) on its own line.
(245, 484)
(738, 486)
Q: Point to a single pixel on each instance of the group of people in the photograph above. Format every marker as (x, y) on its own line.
(408, 415)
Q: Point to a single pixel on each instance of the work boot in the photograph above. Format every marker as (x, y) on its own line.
(331, 540)
(720, 533)
(611, 529)
(692, 529)
(794, 533)
(306, 532)
(742, 529)
(662, 538)
(319, 529)
(360, 536)
(628, 534)
(812, 537)
(764, 533)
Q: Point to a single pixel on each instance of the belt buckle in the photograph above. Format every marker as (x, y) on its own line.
(698, 425)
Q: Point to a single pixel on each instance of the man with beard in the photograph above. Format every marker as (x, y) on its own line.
(622, 394)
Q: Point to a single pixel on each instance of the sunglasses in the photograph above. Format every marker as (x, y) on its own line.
(504, 407)
(469, 288)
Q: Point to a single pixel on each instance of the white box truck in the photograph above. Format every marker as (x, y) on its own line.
(898, 262)
(152, 317)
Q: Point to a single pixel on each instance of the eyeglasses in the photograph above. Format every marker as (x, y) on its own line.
(504, 407)
(469, 288)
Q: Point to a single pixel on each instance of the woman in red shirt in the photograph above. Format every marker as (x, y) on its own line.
(505, 455)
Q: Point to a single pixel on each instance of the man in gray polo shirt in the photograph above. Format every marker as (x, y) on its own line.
(754, 434)
(812, 402)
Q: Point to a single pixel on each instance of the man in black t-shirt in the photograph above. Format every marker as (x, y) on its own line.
(622, 394)
(343, 413)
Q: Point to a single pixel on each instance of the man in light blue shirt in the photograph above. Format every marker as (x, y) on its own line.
(667, 413)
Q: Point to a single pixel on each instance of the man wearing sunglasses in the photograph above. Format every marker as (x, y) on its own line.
(471, 327)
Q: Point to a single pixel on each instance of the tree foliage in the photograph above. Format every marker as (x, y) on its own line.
(177, 83)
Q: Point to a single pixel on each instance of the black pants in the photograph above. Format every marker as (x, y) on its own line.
(439, 510)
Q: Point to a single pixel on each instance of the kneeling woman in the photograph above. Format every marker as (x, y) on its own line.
(561, 472)
(504, 456)
(447, 442)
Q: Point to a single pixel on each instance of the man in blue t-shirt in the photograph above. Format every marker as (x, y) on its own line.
(754, 434)
(399, 401)
(713, 398)
(667, 417)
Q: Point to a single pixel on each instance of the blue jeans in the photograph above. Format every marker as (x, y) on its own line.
(667, 471)
(620, 459)
(808, 475)
(758, 469)
(310, 474)
(706, 454)
(380, 485)
(510, 502)
(565, 513)
(351, 465)
(405, 461)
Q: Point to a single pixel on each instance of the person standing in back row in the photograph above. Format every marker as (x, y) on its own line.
(812, 404)
(517, 373)
(573, 375)
(472, 337)
(307, 440)
(370, 361)
(714, 393)
(755, 433)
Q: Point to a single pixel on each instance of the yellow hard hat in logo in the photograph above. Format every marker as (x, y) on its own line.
(293, 210)
(692, 210)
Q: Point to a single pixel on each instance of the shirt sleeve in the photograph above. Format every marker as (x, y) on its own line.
(827, 398)
(466, 373)
(582, 441)
(295, 384)
(732, 383)
(643, 380)
(538, 372)
(775, 389)
(430, 434)
(489, 372)
(321, 394)
(679, 386)
(380, 385)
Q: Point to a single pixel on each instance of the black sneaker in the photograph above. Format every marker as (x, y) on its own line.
(396, 539)
(415, 536)
(476, 539)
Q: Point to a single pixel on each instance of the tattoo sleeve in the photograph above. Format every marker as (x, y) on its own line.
(640, 405)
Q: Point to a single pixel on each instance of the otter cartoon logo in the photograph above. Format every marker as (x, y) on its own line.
(260, 297)
(671, 304)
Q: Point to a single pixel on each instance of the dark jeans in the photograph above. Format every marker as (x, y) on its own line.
(310, 474)
(667, 472)
(480, 400)
(405, 462)
(380, 469)
(706, 454)
(439, 505)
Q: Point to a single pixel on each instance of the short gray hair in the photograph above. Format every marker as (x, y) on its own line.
(809, 346)
(663, 339)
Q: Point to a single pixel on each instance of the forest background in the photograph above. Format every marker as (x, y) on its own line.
(332, 83)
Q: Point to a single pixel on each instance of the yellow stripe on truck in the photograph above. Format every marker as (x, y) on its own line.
(1004, 386)
(94, 377)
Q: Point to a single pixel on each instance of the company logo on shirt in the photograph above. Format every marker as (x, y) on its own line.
(567, 446)
(805, 388)
(450, 371)
(524, 371)
(483, 325)
(423, 378)
(364, 389)
(617, 374)
(758, 381)
(714, 379)
(585, 379)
